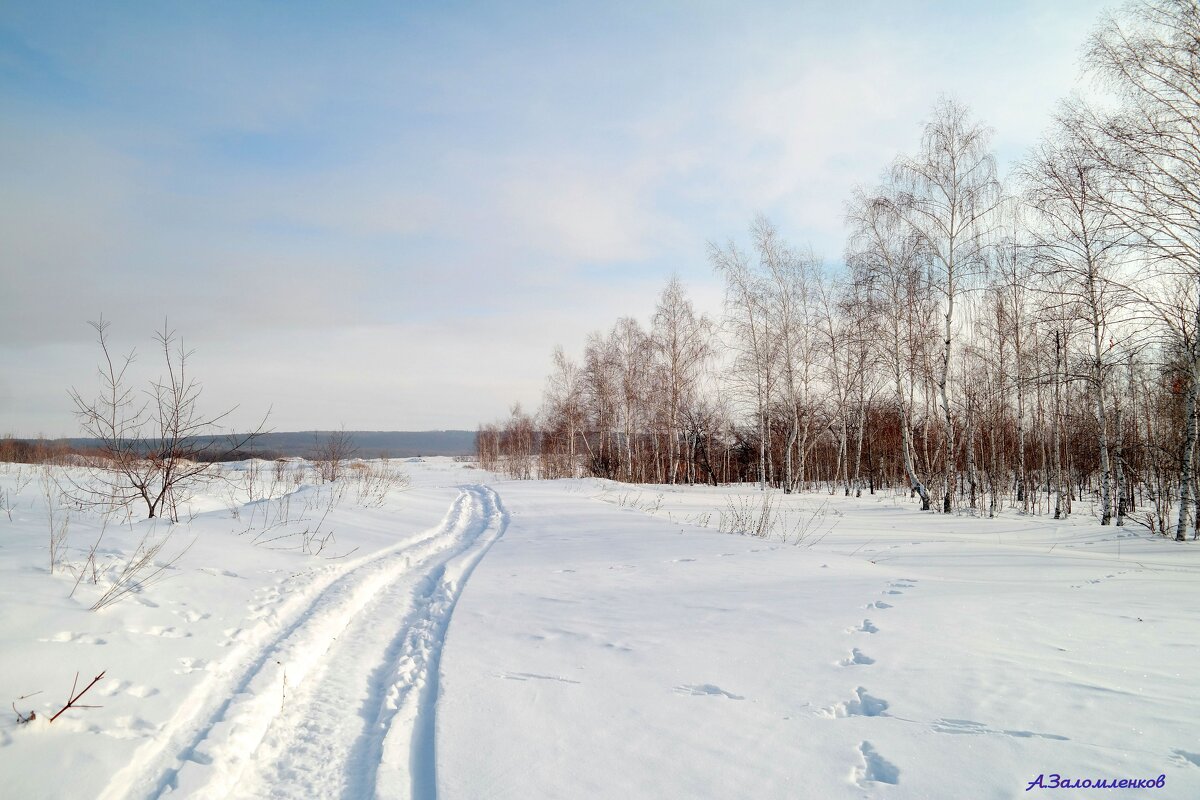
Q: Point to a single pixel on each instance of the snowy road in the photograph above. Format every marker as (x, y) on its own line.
(340, 702)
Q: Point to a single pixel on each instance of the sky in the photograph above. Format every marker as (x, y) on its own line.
(385, 216)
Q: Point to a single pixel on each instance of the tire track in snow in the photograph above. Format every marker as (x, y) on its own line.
(402, 742)
(212, 741)
(387, 673)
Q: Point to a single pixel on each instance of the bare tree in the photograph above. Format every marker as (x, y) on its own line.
(681, 339)
(487, 446)
(754, 342)
(630, 350)
(1149, 54)
(157, 446)
(1012, 274)
(884, 257)
(564, 412)
(518, 442)
(600, 389)
(948, 195)
(1079, 239)
(790, 288)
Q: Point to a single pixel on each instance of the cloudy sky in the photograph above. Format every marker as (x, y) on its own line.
(385, 216)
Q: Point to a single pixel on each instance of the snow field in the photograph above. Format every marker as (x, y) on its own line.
(903, 655)
(477, 638)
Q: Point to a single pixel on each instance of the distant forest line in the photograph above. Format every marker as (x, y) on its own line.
(366, 444)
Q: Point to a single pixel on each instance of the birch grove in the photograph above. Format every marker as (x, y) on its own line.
(1029, 346)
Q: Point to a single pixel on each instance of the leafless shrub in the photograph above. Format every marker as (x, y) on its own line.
(141, 570)
(375, 481)
(764, 519)
(253, 479)
(24, 477)
(330, 452)
(58, 518)
(744, 516)
(648, 506)
(89, 566)
(812, 527)
(298, 521)
(629, 499)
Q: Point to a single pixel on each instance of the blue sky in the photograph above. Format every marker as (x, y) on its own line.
(387, 215)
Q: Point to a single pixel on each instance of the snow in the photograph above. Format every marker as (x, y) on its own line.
(469, 637)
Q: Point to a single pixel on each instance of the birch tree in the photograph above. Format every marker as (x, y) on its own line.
(884, 256)
(681, 339)
(1078, 238)
(948, 195)
(752, 339)
(1149, 55)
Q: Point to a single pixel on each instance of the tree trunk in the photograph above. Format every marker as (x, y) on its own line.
(1101, 427)
(1059, 510)
(1187, 452)
(943, 379)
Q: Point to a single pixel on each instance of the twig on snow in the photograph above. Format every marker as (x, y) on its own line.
(75, 697)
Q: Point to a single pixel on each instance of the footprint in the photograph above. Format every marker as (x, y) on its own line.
(112, 687)
(187, 665)
(231, 637)
(879, 604)
(959, 726)
(1033, 735)
(707, 689)
(525, 676)
(164, 632)
(864, 705)
(1190, 758)
(856, 657)
(130, 728)
(74, 638)
(875, 768)
(866, 627)
(970, 727)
